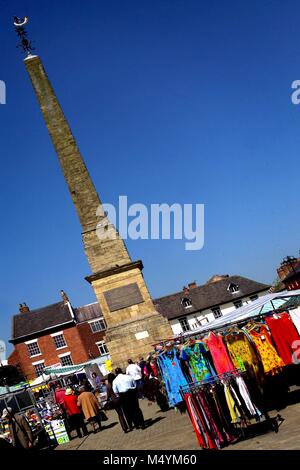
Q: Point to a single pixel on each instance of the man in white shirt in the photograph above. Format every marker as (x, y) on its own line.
(125, 386)
(134, 371)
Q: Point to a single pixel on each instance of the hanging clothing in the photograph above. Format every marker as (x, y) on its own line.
(244, 355)
(172, 375)
(295, 316)
(222, 361)
(196, 356)
(232, 405)
(284, 335)
(254, 411)
(272, 363)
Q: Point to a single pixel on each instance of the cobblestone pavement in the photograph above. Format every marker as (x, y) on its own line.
(173, 431)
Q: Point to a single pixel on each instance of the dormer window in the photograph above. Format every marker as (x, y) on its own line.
(186, 302)
(233, 288)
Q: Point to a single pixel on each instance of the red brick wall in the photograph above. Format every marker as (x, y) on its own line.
(90, 339)
(49, 353)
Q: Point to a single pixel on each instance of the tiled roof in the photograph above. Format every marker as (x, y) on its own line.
(35, 321)
(207, 296)
(88, 312)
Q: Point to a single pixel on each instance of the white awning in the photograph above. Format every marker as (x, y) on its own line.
(263, 304)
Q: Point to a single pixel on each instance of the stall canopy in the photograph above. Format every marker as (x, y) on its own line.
(264, 304)
(64, 370)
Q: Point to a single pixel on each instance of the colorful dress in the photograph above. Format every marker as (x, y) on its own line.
(196, 355)
(219, 353)
(172, 375)
(244, 355)
(272, 363)
(285, 336)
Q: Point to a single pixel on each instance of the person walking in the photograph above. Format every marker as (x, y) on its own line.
(135, 372)
(114, 402)
(97, 381)
(75, 416)
(142, 364)
(125, 387)
(90, 407)
(19, 429)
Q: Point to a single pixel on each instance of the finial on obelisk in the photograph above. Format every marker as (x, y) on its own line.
(24, 44)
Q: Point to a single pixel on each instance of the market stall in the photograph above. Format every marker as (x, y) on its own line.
(224, 370)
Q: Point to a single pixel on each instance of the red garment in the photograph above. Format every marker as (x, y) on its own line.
(284, 334)
(219, 353)
(71, 405)
(60, 396)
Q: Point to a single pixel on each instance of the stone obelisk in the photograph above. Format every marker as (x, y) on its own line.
(133, 324)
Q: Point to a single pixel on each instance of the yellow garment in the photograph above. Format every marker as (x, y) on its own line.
(108, 365)
(243, 353)
(272, 363)
(234, 412)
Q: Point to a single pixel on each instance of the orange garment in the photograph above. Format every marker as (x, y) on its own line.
(89, 404)
(272, 363)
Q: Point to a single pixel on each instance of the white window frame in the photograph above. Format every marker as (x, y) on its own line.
(238, 301)
(31, 342)
(100, 343)
(36, 363)
(60, 333)
(64, 355)
(188, 326)
(219, 311)
(95, 321)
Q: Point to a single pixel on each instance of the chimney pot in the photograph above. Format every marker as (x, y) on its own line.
(192, 285)
(64, 297)
(23, 308)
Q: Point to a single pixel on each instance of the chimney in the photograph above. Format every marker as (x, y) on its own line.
(23, 308)
(186, 290)
(64, 297)
(192, 285)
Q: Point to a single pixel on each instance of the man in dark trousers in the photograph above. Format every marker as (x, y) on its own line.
(19, 429)
(125, 387)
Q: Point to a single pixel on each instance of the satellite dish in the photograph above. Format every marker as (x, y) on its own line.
(2, 350)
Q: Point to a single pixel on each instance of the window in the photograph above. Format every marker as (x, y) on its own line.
(233, 288)
(39, 368)
(217, 312)
(186, 302)
(33, 349)
(238, 304)
(184, 324)
(102, 348)
(66, 360)
(253, 297)
(98, 325)
(59, 341)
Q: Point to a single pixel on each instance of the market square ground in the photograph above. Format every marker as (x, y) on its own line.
(173, 431)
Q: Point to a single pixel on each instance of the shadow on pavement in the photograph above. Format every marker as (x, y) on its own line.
(151, 421)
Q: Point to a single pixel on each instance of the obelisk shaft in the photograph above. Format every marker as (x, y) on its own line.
(102, 253)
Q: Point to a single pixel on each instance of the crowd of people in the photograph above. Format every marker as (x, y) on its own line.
(79, 404)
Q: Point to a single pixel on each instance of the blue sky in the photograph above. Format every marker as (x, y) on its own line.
(170, 101)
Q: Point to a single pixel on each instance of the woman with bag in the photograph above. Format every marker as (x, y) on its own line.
(114, 403)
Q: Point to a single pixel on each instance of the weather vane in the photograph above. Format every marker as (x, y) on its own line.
(25, 44)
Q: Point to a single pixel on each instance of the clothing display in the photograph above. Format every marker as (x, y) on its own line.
(220, 409)
(173, 376)
(284, 335)
(219, 353)
(272, 362)
(196, 355)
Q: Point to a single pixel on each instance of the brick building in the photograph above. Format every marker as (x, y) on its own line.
(289, 272)
(56, 334)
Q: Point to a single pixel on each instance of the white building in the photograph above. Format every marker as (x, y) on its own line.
(198, 305)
